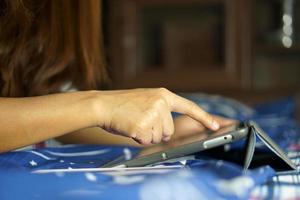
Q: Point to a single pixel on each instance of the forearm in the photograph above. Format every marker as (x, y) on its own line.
(29, 120)
(141, 114)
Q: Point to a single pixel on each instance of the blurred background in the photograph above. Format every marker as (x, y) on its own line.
(247, 49)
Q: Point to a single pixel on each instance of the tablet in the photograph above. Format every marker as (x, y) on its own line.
(185, 147)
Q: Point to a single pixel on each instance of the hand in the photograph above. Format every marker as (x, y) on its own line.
(186, 126)
(145, 114)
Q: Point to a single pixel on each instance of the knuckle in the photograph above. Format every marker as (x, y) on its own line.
(135, 129)
(163, 91)
(145, 141)
(159, 98)
(196, 109)
(141, 124)
(153, 117)
(160, 102)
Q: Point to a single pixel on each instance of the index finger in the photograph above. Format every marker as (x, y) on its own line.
(187, 107)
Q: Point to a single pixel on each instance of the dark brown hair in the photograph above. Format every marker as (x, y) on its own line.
(45, 44)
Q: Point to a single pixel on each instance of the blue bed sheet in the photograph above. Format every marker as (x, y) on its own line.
(197, 179)
(200, 180)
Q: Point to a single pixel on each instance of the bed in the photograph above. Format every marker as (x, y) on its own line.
(189, 179)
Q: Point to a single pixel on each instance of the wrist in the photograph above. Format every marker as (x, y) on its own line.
(97, 107)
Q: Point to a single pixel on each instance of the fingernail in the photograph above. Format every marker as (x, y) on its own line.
(215, 125)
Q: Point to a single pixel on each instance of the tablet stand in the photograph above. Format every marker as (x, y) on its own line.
(282, 160)
(251, 157)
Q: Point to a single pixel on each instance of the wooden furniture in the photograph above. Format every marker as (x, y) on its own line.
(214, 46)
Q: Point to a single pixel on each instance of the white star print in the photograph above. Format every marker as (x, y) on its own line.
(33, 163)
(91, 177)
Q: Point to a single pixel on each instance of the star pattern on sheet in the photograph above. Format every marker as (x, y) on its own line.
(33, 163)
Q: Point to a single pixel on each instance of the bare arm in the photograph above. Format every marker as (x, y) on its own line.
(25, 121)
(141, 114)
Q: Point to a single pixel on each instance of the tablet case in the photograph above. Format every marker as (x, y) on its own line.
(251, 157)
(248, 157)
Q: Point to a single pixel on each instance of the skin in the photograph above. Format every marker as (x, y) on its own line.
(184, 126)
(141, 115)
